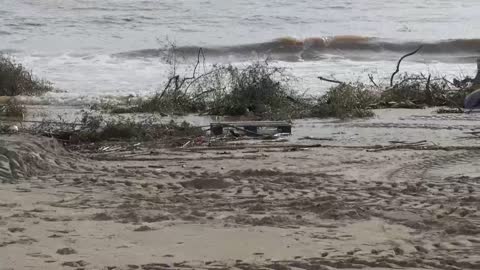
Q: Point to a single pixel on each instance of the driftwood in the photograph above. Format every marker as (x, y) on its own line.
(316, 138)
(400, 61)
(330, 80)
(420, 145)
(405, 142)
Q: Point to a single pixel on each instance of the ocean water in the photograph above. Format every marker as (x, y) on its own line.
(93, 48)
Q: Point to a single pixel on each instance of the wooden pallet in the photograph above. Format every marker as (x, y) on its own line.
(251, 127)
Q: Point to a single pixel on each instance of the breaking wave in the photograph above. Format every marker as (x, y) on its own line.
(314, 48)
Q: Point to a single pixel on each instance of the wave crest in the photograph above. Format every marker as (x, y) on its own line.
(311, 48)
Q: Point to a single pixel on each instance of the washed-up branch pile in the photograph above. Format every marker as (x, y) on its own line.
(257, 89)
(94, 128)
(403, 91)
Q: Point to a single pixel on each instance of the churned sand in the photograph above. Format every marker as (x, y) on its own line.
(251, 207)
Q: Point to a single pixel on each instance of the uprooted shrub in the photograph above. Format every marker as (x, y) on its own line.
(346, 100)
(257, 89)
(416, 91)
(177, 95)
(15, 80)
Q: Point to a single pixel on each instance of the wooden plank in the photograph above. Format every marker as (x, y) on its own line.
(252, 123)
(251, 126)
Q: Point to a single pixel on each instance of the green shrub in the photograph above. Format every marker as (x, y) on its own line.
(346, 101)
(259, 89)
(16, 80)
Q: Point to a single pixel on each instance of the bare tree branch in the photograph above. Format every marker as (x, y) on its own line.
(200, 53)
(370, 76)
(400, 61)
(175, 77)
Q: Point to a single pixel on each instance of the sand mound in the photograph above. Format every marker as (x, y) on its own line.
(26, 156)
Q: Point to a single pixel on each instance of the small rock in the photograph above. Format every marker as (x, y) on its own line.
(13, 129)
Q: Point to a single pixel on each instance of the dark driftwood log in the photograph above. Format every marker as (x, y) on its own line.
(400, 61)
(330, 80)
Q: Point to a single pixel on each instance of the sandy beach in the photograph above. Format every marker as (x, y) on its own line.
(108, 162)
(346, 204)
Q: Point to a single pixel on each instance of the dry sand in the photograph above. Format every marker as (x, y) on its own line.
(248, 208)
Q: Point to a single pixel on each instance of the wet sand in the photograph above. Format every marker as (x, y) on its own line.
(268, 205)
